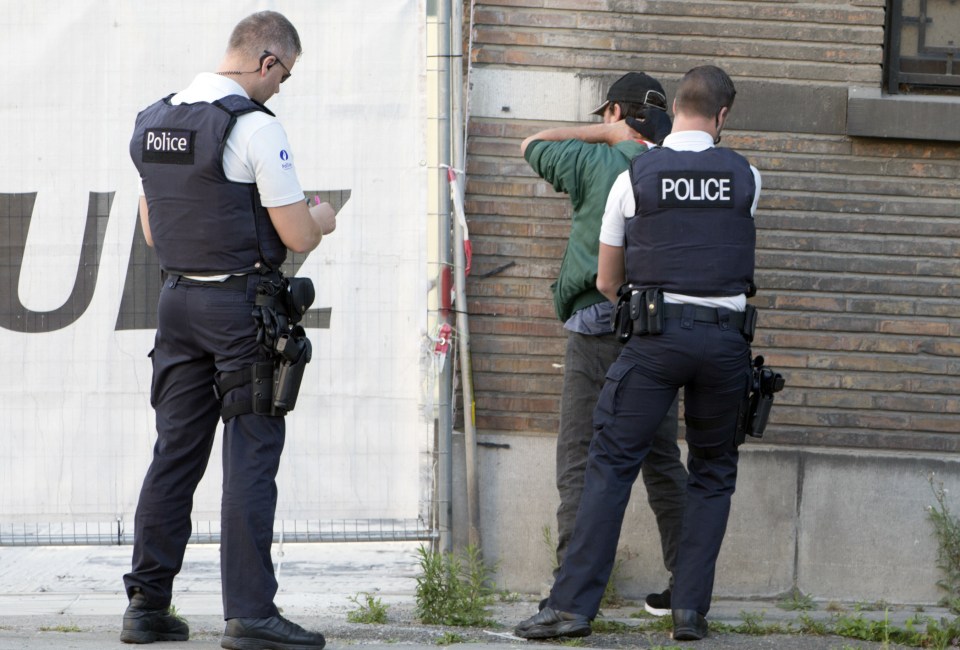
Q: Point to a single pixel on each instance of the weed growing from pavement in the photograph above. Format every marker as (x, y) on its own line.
(371, 611)
(876, 606)
(797, 601)
(754, 625)
(946, 527)
(509, 597)
(454, 590)
(652, 623)
(611, 595)
(60, 628)
(174, 612)
(449, 638)
(616, 627)
(547, 535)
(806, 624)
(918, 631)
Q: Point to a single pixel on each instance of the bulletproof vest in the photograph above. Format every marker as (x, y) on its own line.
(201, 222)
(693, 232)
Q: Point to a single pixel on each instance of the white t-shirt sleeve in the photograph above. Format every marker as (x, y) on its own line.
(756, 195)
(258, 152)
(620, 206)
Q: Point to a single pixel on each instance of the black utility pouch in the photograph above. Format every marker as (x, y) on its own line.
(750, 315)
(638, 314)
(653, 308)
(299, 295)
(622, 323)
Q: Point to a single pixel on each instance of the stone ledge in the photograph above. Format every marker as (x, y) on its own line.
(872, 114)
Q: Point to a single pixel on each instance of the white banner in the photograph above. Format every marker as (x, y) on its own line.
(77, 294)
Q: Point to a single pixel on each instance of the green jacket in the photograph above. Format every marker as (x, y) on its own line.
(585, 172)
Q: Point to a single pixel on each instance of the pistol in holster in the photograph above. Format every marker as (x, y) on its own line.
(280, 304)
(762, 383)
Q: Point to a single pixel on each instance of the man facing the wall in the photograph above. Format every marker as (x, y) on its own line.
(583, 162)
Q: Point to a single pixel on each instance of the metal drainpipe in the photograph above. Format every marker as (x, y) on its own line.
(445, 419)
(458, 152)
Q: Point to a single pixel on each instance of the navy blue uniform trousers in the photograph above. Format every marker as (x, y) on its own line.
(585, 365)
(711, 361)
(203, 331)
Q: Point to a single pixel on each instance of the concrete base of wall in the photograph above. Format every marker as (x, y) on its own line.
(838, 525)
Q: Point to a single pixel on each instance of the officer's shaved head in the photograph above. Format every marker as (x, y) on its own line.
(265, 30)
(704, 91)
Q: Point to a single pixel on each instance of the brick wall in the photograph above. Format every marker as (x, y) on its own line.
(858, 239)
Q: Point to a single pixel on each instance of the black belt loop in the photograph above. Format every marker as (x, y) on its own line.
(687, 316)
(723, 318)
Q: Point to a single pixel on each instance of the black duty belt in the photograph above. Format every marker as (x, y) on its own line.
(703, 314)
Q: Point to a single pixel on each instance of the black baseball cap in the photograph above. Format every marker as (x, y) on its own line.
(636, 88)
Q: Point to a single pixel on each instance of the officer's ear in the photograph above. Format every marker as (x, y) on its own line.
(722, 116)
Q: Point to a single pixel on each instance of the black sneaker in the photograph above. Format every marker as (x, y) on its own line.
(143, 624)
(274, 633)
(658, 604)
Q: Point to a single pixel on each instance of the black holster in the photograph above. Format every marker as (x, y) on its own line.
(280, 303)
(755, 407)
(294, 352)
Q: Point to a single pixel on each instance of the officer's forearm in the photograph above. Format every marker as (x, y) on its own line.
(610, 271)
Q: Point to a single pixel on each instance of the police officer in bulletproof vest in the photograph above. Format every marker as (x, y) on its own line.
(677, 255)
(221, 204)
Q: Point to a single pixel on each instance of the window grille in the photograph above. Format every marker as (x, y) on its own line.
(923, 45)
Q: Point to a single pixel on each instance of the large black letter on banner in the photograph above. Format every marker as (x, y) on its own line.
(16, 211)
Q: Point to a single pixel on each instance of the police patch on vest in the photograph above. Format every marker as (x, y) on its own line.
(168, 146)
(695, 189)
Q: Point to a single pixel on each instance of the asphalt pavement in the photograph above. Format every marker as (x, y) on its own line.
(71, 598)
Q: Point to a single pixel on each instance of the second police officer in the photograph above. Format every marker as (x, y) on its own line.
(679, 231)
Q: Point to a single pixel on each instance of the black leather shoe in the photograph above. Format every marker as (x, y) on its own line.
(274, 633)
(688, 625)
(549, 623)
(143, 624)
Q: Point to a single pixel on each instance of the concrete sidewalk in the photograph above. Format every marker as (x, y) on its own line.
(71, 598)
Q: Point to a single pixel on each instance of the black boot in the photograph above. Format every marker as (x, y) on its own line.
(688, 625)
(145, 624)
(549, 623)
(275, 633)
